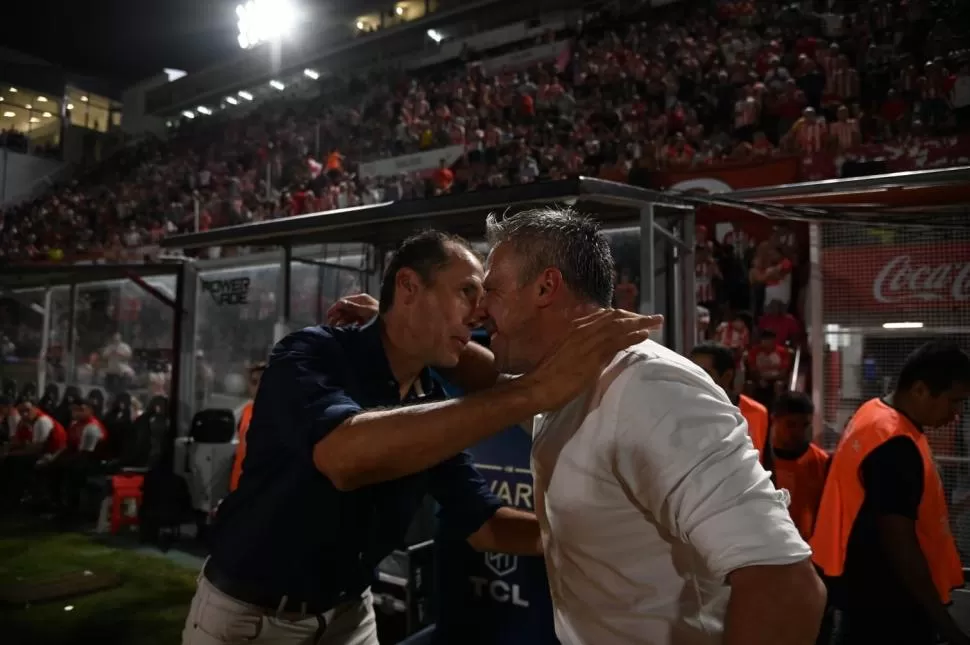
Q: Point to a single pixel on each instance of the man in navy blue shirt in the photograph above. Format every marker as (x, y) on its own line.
(349, 433)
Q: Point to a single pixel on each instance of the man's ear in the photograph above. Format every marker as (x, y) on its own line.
(407, 285)
(548, 286)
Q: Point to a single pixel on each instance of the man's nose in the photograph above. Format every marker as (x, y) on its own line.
(478, 315)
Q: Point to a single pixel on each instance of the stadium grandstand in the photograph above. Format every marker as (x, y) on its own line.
(810, 160)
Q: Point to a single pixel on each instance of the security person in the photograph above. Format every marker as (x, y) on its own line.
(349, 433)
(882, 536)
(245, 416)
(718, 361)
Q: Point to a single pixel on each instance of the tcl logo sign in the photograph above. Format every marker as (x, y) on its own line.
(903, 279)
(896, 278)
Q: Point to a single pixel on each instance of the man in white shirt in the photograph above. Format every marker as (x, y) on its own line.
(659, 524)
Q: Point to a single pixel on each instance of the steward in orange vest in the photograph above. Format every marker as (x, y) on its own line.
(255, 373)
(796, 464)
(882, 537)
(718, 361)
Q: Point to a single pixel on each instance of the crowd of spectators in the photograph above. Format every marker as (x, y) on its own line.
(633, 90)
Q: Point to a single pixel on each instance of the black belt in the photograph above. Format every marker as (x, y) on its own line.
(272, 603)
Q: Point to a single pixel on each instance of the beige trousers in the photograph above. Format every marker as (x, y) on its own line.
(217, 619)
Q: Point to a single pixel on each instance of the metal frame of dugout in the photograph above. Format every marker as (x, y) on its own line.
(666, 237)
(74, 279)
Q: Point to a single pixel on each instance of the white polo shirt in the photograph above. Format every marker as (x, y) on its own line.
(649, 493)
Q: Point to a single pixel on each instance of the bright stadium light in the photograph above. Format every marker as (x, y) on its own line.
(188, 115)
(276, 85)
(203, 110)
(260, 21)
(311, 73)
(435, 35)
(231, 100)
(245, 95)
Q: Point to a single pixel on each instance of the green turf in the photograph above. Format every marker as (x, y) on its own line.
(148, 608)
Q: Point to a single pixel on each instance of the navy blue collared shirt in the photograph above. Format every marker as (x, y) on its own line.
(286, 528)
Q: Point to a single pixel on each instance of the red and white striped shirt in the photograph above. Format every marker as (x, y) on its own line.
(733, 335)
(810, 137)
(846, 133)
(844, 83)
(703, 283)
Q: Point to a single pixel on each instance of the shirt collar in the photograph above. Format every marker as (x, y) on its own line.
(379, 368)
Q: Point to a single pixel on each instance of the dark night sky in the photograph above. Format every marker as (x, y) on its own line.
(126, 40)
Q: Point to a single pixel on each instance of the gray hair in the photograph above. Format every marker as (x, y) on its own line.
(561, 238)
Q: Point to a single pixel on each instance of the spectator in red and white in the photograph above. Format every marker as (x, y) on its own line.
(773, 270)
(706, 276)
(733, 333)
(809, 134)
(767, 363)
(845, 131)
(784, 325)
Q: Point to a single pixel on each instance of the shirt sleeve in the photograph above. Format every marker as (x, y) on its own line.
(303, 394)
(892, 475)
(684, 452)
(90, 436)
(42, 429)
(465, 500)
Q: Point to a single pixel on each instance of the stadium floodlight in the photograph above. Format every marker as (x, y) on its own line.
(203, 110)
(188, 114)
(42, 99)
(84, 99)
(245, 95)
(70, 106)
(231, 100)
(46, 115)
(9, 115)
(13, 90)
(311, 73)
(276, 85)
(260, 21)
(435, 35)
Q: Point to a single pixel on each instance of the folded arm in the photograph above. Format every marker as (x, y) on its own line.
(695, 469)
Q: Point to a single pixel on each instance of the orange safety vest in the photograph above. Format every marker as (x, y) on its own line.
(874, 424)
(757, 417)
(804, 479)
(244, 419)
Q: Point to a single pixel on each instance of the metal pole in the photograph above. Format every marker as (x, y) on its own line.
(816, 332)
(195, 202)
(44, 343)
(687, 279)
(647, 293)
(673, 325)
(182, 393)
(70, 360)
(282, 327)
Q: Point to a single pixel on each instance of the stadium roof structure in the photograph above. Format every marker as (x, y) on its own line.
(40, 276)
(894, 199)
(464, 214)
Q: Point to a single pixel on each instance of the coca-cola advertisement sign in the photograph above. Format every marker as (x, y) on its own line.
(897, 278)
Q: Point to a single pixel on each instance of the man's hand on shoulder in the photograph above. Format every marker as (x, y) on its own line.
(353, 310)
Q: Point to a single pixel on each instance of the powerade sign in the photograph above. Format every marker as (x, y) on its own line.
(228, 292)
(495, 598)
